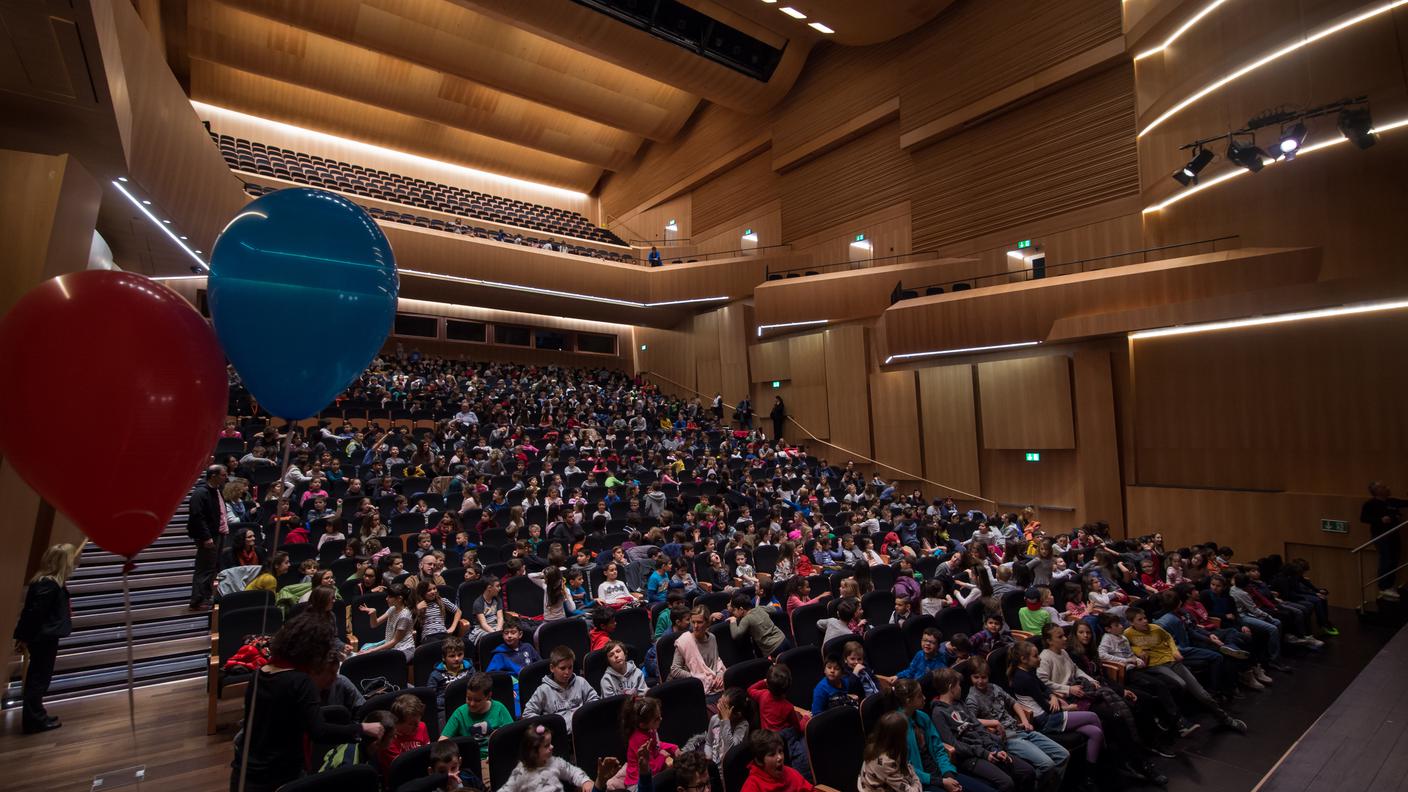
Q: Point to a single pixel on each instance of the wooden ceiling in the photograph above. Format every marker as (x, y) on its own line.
(546, 90)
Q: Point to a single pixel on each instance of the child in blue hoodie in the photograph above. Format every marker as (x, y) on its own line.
(834, 689)
(513, 654)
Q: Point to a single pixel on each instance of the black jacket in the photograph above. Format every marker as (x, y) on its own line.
(1375, 509)
(46, 614)
(204, 520)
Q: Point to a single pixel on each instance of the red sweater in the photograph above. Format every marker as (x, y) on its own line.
(598, 638)
(759, 780)
(775, 713)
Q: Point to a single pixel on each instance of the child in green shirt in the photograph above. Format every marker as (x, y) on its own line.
(1034, 617)
(479, 716)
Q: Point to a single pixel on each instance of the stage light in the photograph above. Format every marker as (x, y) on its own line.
(1247, 155)
(1188, 174)
(1291, 140)
(1356, 125)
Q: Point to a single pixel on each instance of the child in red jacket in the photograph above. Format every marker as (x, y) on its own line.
(768, 772)
(776, 714)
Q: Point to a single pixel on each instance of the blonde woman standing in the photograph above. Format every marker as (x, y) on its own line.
(45, 619)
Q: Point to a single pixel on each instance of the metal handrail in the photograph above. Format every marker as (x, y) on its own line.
(1359, 565)
(906, 474)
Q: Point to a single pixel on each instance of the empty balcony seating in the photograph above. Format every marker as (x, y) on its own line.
(296, 166)
(454, 227)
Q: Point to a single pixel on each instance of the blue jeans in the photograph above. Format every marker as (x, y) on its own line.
(1267, 631)
(1040, 751)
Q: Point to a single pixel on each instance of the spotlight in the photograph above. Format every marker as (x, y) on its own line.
(1188, 174)
(1246, 155)
(1358, 127)
(1291, 140)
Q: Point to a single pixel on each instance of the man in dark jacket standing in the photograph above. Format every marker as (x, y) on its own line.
(1381, 514)
(206, 526)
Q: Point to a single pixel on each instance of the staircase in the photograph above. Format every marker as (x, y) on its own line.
(169, 641)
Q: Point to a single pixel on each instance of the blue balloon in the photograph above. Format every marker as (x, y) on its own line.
(302, 292)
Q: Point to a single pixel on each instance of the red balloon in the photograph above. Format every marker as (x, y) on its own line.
(112, 391)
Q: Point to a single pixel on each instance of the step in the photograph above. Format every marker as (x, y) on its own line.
(111, 616)
(136, 581)
(87, 572)
(186, 626)
(113, 678)
(167, 553)
(117, 652)
(90, 603)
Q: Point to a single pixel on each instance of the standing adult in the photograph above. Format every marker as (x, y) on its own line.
(45, 619)
(744, 411)
(1381, 514)
(718, 405)
(779, 417)
(282, 709)
(206, 525)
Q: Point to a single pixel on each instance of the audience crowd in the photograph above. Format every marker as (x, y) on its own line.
(567, 577)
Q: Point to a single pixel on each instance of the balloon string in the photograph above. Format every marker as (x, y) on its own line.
(127, 567)
(263, 629)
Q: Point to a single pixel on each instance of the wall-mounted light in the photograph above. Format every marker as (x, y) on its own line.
(1258, 321)
(672, 226)
(1184, 28)
(808, 323)
(552, 292)
(142, 206)
(964, 350)
(750, 236)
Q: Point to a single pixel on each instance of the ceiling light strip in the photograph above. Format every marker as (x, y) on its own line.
(163, 226)
(381, 150)
(939, 352)
(1275, 55)
(1222, 177)
(1257, 321)
(553, 292)
(1184, 28)
(807, 323)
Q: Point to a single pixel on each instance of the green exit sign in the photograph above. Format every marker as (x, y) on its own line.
(747, 232)
(1025, 243)
(1334, 526)
(777, 383)
(1033, 456)
(642, 347)
(860, 237)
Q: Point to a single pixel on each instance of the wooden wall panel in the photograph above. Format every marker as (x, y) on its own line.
(865, 174)
(733, 353)
(847, 397)
(1071, 149)
(837, 82)
(765, 221)
(1257, 524)
(1052, 485)
(894, 420)
(948, 413)
(649, 226)
(745, 186)
(1097, 440)
(991, 37)
(1026, 403)
(769, 361)
(807, 354)
(1302, 407)
(887, 229)
(843, 295)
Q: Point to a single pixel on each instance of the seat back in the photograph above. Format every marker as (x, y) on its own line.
(1012, 607)
(596, 731)
(685, 711)
(432, 720)
(485, 646)
(732, 650)
(877, 607)
(885, 649)
(805, 664)
(743, 674)
(883, 577)
(523, 596)
(735, 767)
(594, 668)
(529, 679)
(241, 623)
(362, 626)
(665, 653)
(633, 628)
(914, 633)
(871, 709)
(377, 672)
(804, 619)
(505, 741)
(357, 778)
(833, 748)
(952, 619)
(257, 598)
(426, 657)
(571, 633)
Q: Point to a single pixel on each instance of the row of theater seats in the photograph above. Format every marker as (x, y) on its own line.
(268, 160)
(474, 231)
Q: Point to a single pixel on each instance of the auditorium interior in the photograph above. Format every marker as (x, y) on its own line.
(1126, 263)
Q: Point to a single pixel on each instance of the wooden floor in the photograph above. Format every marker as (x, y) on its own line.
(97, 738)
(1361, 741)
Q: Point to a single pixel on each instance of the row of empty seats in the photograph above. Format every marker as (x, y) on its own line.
(277, 162)
(453, 227)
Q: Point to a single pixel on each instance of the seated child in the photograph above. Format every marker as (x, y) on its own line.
(480, 714)
(445, 758)
(902, 611)
(864, 679)
(844, 623)
(410, 731)
(603, 622)
(726, 729)
(834, 689)
(640, 726)
(957, 649)
(769, 772)
(577, 588)
(995, 633)
(777, 715)
(621, 675)
(928, 659)
(451, 667)
(562, 691)
(513, 654)
(538, 769)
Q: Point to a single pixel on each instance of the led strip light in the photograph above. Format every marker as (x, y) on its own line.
(1265, 59)
(938, 352)
(163, 226)
(1257, 321)
(1204, 184)
(1168, 42)
(807, 323)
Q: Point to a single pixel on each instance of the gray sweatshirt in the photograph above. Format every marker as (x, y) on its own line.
(552, 698)
(630, 682)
